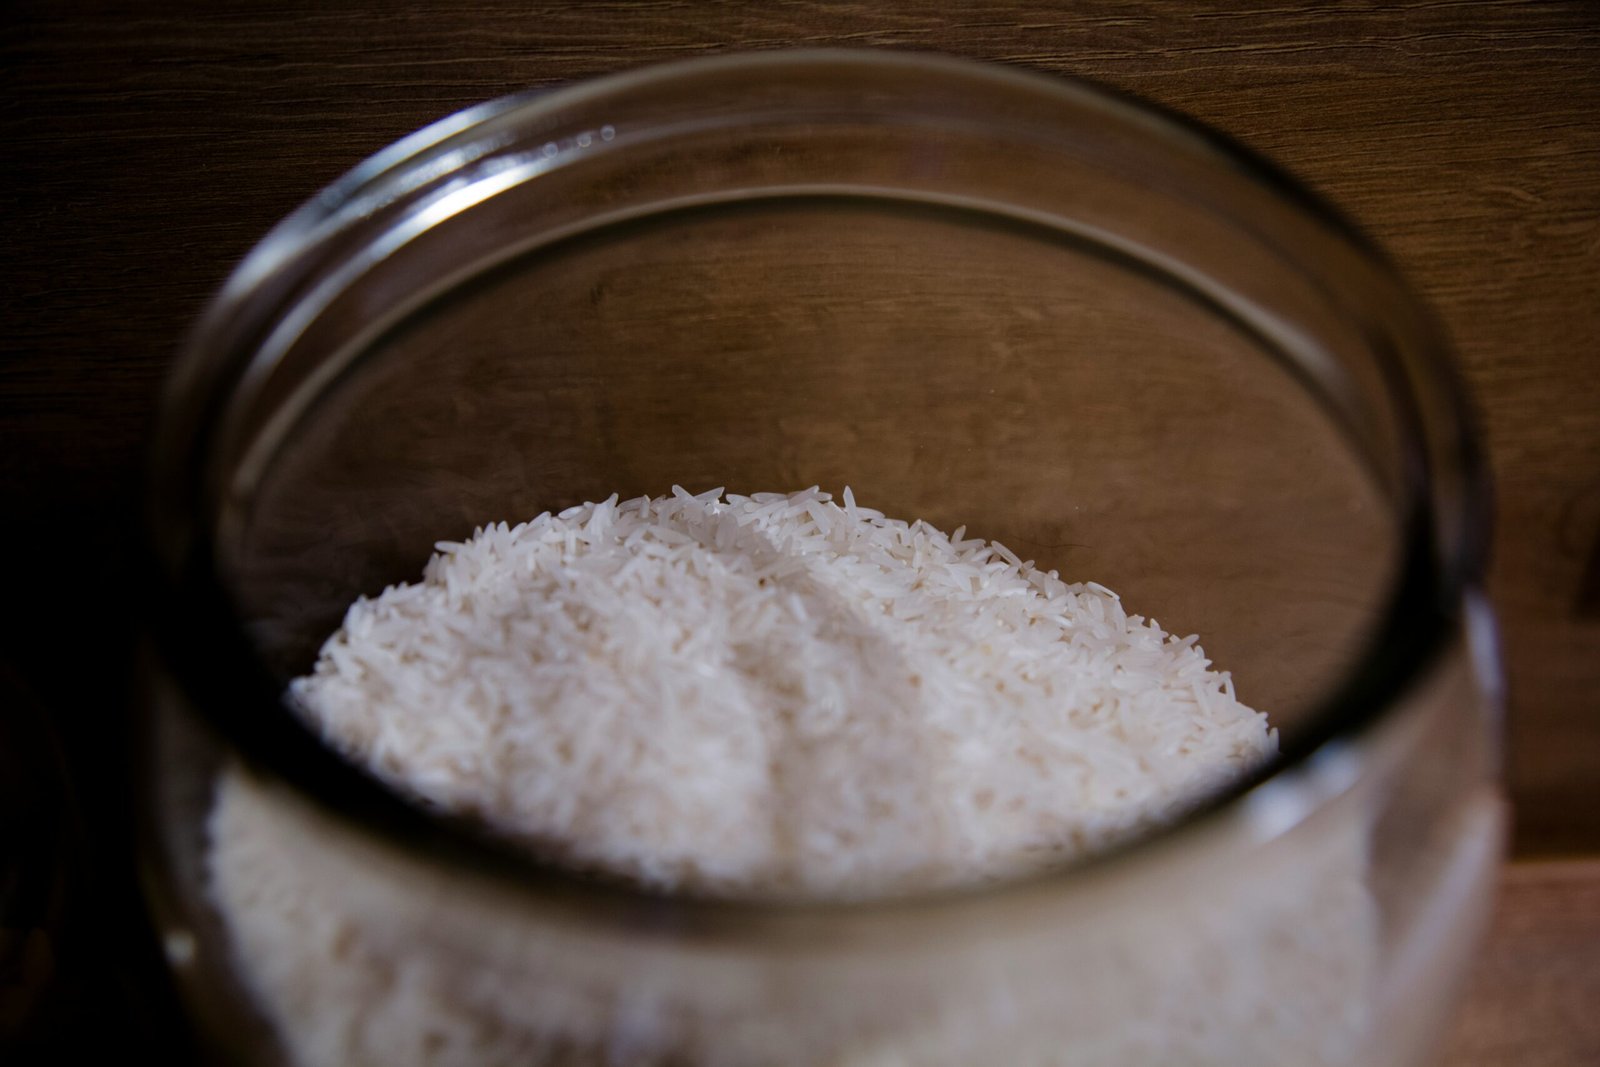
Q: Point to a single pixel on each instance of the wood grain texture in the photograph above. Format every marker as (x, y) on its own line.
(1531, 999)
(147, 150)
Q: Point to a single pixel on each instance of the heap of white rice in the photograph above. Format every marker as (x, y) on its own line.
(776, 694)
(782, 694)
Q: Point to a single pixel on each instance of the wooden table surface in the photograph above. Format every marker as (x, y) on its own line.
(145, 152)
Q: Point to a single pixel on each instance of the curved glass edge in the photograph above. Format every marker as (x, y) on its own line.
(1444, 575)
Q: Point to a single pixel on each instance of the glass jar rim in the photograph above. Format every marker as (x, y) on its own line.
(200, 638)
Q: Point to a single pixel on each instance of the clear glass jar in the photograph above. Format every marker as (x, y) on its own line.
(1088, 329)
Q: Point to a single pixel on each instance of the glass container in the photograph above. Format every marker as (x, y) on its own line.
(1092, 330)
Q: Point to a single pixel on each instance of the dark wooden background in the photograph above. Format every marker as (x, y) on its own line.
(147, 146)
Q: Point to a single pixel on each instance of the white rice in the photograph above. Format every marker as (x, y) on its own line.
(774, 694)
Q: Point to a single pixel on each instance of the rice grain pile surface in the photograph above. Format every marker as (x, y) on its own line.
(777, 693)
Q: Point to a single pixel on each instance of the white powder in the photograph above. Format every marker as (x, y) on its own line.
(776, 693)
